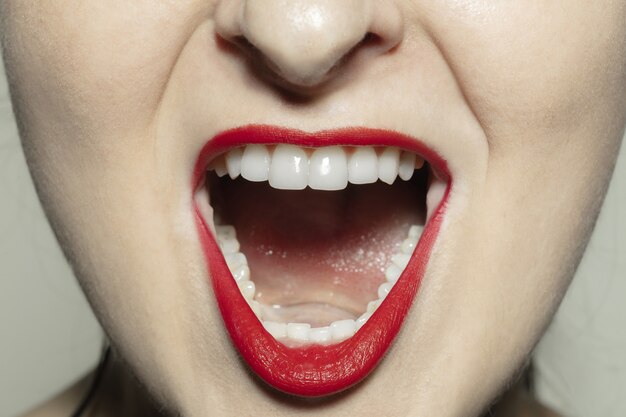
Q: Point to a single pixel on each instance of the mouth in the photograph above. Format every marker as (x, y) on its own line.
(316, 244)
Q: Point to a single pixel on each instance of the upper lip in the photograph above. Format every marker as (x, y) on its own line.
(315, 370)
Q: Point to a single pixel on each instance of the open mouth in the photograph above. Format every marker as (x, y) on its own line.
(317, 244)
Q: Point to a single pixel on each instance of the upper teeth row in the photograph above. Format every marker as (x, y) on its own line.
(291, 167)
(302, 332)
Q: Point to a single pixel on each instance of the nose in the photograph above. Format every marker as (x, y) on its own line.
(302, 42)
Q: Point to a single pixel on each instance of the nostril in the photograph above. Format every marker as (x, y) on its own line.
(301, 44)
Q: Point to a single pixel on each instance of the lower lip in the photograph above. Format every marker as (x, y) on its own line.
(315, 370)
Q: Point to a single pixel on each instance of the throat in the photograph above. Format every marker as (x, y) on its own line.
(314, 256)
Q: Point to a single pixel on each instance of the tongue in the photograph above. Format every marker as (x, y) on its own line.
(318, 256)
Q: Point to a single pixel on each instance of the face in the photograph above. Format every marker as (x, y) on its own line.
(135, 115)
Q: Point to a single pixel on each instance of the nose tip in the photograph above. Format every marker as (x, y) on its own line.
(301, 41)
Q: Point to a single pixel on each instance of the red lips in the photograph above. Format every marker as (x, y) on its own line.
(315, 370)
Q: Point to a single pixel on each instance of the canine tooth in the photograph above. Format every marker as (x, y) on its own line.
(328, 169)
(407, 165)
(219, 166)
(373, 305)
(235, 260)
(229, 245)
(342, 329)
(247, 288)
(362, 320)
(363, 166)
(233, 162)
(255, 163)
(401, 259)
(241, 273)
(320, 335)
(384, 289)
(409, 244)
(416, 231)
(226, 232)
(393, 272)
(277, 330)
(388, 162)
(289, 169)
(298, 331)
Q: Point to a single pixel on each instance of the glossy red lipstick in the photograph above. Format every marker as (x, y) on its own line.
(315, 370)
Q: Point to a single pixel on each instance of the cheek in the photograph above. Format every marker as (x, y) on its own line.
(531, 70)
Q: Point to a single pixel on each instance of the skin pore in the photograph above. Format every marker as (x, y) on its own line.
(526, 100)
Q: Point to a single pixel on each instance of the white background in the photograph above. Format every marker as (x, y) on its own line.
(49, 337)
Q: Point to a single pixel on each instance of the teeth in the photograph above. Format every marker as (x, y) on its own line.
(393, 272)
(384, 289)
(229, 246)
(320, 335)
(409, 244)
(233, 163)
(290, 167)
(362, 320)
(343, 329)
(277, 330)
(242, 273)
(247, 288)
(401, 260)
(219, 166)
(235, 260)
(298, 331)
(328, 169)
(302, 332)
(255, 163)
(407, 165)
(363, 166)
(388, 163)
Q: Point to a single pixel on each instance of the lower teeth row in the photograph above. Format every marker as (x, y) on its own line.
(303, 332)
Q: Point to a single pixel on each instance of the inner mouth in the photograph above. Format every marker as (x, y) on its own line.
(317, 237)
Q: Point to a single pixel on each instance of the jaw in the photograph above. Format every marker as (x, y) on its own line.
(285, 359)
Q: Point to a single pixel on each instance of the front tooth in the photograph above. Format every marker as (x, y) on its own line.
(233, 162)
(388, 163)
(320, 335)
(247, 288)
(289, 169)
(328, 169)
(343, 329)
(363, 166)
(298, 331)
(255, 163)
(277, 330)
(407, 165)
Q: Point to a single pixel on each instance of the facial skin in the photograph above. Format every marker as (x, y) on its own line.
(525, 99)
